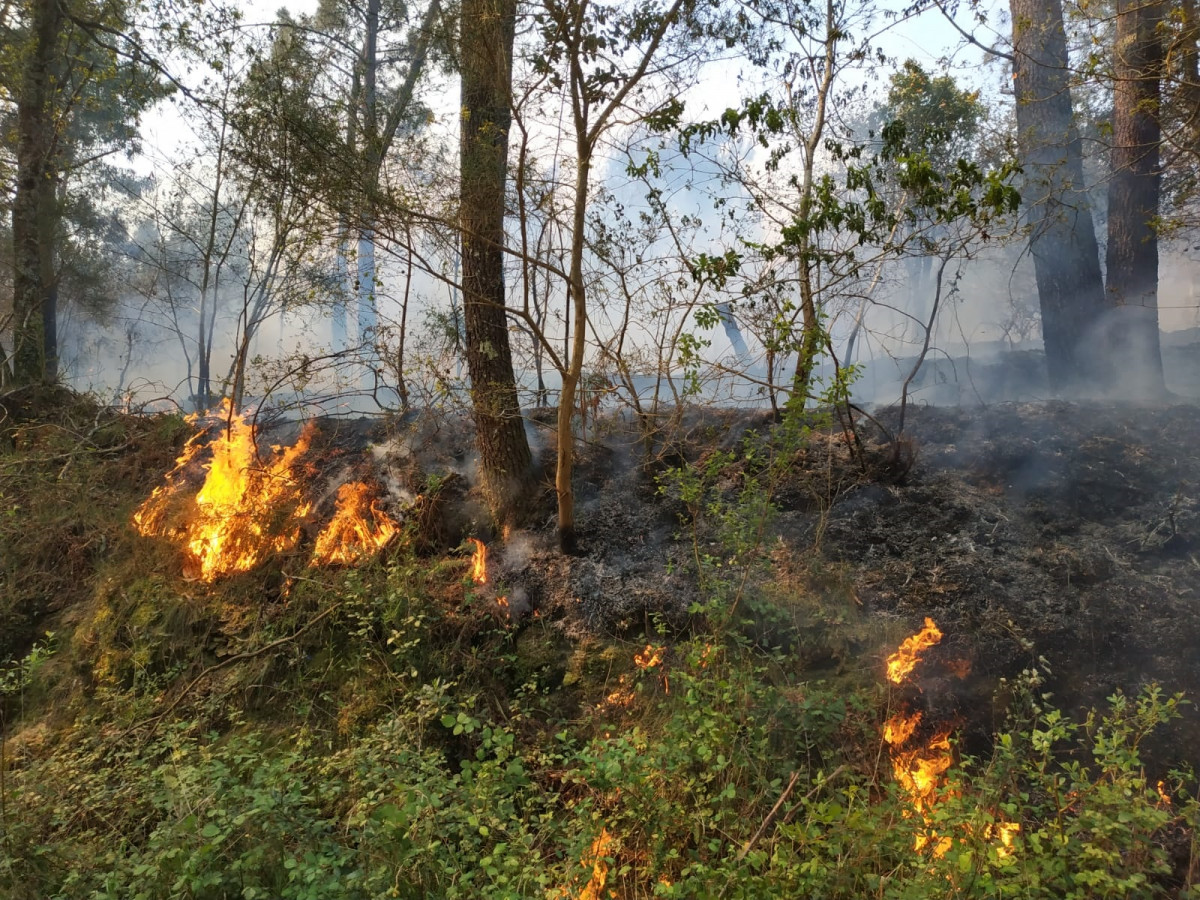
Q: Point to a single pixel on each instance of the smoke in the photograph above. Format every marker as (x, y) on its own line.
(732, 331)
(518, 551)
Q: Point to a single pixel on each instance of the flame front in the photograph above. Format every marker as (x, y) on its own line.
(479, 572)
(245, 511)
(358, 529)
(901, 663)
(899, 728)
(920, 769)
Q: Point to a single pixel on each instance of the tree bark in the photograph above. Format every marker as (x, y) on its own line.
(487, 32)
(35, 214)
(1133, 196)
(1062, 238)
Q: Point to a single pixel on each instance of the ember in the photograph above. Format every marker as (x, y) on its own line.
(246, 510)
(358, 529)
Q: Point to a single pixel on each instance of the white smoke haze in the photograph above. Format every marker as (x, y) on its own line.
(983, 347)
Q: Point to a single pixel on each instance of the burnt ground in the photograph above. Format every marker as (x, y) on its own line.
(1055, 535)
(1061, 531)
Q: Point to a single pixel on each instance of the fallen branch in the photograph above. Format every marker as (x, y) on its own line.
(832, 775)
(766, 823)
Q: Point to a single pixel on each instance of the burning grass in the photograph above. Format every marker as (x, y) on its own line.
(920, 764)
(481, 575)
(247, 509)
(250, 508)
(359, 527)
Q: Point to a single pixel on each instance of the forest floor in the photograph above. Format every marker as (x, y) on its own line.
(1054, 538)
(1057, 536)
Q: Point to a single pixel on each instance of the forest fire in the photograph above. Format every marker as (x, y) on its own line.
(358, 529)
(596, 858)
(649, 658)
(246, 510)
(652, 658)
(901, 663)
(479, 569)
(917, 769)
(921, 767)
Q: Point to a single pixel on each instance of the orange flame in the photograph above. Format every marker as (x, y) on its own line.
(358, 528)
(899, 728)
(649, 658)
(150, 517)
(479, 569)
(595, 857)
(479, 572)
(920, 770)
(1007, 833)
(246, 510)
(901, 663)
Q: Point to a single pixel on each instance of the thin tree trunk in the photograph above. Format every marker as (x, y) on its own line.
(1133, 196)
(35, 208)
(338, 325)
(487, 32)
(567, 537)
(812, 337)
(401, 382)
(1062, 239)
(367, 312)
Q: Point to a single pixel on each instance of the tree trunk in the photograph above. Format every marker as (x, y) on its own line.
(367, 312)
(35, 207)
(567, 538)
(339, 327)
(1062, 238)
(487, 32)
(1133, 195)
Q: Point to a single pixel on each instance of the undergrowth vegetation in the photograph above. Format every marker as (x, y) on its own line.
(385, 732)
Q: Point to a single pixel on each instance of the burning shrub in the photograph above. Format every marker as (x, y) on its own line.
(249, 508)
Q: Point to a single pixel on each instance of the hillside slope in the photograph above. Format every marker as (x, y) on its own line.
(696, 706)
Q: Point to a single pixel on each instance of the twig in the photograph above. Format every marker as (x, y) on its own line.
(766, 823)
(970, 38)
(832, 775)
